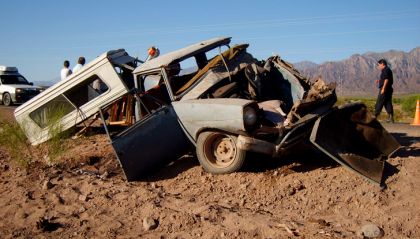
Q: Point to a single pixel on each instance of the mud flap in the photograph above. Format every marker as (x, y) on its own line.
(355, 139)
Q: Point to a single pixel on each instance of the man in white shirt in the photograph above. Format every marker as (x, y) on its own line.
(80, 63)
(66, 70)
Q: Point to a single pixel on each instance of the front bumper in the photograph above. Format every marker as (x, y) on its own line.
(285, 141)
(24, 96)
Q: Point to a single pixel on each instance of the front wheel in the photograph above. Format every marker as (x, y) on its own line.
(218, 153)
(7, 99)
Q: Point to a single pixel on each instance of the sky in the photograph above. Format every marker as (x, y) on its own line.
(37, 36)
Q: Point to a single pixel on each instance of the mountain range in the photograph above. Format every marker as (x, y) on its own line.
(356, 75)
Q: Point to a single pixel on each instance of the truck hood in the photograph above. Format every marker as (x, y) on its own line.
(13, 87)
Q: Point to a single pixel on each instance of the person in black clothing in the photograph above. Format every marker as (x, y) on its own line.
(385, 91)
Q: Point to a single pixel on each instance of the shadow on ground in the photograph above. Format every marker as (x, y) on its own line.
(389, 170)
(173, 169)
(302, 158)
(406, 142)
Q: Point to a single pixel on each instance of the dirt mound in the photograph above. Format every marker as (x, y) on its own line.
(85, 194)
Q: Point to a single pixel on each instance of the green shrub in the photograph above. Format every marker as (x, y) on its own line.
(404, 106)
(55, 143)
(13, 139)
(408, 104)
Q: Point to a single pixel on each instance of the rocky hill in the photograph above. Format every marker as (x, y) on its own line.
(357, 74)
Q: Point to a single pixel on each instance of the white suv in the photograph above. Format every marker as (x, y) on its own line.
(14, 88)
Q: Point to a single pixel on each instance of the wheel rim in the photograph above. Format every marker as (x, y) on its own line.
(220, 150)
(6, 99)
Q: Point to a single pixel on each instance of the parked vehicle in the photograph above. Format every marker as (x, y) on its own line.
(227, 103)
(14, 88)
(73, 100)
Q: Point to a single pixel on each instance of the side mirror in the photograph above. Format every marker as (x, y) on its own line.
(31, 83)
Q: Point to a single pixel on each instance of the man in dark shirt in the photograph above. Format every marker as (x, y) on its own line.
(385, 91)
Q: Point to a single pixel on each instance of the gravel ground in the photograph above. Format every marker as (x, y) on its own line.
(84, 195)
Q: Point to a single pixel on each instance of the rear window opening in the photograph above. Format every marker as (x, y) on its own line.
(76, 97)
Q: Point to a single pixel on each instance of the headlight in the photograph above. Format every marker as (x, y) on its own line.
(19, 90)
(250, 116)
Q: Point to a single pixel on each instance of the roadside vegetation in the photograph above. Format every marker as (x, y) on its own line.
(55, 143)
(404, 106)
(14, 140)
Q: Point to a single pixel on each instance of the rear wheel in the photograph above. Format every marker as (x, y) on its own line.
(218, 153)
(7, 99)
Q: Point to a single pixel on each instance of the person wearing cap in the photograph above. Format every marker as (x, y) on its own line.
(384, 99)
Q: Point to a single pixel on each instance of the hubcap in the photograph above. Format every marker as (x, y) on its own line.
(6, 99)
(224, 151)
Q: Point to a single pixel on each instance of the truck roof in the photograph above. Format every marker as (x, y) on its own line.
(181, 54)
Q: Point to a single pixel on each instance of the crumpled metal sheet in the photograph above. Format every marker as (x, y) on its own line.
(355, 139)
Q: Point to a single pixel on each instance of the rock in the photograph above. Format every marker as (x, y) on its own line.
(83, 198)
(57, 199)
(30, 195)
(291, 191)
(55, 172)
(104, 176)
(47, 185)
(371, 231)
(81, 210)
(149, 223)
(244, 186)
(47, 160)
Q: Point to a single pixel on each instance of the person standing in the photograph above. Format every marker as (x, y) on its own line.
(80, 63)
(384, 99)
(152, 52)
(65, 71)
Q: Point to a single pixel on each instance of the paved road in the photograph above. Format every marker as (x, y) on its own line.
(408, 129)
(6, 112)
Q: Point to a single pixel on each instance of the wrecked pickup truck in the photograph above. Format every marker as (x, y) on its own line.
(225, 103)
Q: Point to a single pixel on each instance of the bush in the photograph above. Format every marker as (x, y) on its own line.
(404, 106)
(14, 140)
(408, 104)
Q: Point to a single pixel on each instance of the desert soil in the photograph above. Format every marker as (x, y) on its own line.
(84, 194)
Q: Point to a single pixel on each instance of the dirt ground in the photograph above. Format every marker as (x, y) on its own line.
(305, 195)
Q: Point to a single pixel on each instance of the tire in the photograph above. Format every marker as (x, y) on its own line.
(7, 99)
(218, 153)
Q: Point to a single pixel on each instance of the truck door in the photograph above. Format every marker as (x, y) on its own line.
(150, 143)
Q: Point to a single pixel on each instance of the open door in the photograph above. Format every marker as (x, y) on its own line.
(150, 143)
(354, 138)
